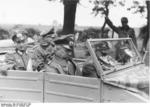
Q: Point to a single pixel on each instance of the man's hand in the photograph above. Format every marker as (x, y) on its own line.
(40, 67)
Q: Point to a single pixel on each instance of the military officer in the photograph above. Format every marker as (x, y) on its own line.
(42, 54)
(19, 59)
(63, 63)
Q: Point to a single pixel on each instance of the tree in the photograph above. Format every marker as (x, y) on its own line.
(142, 8)
(148, 20)
(69, 15)
(102, 7)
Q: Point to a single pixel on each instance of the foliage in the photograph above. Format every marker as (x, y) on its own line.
(138, 7)
(4, 34)
(31, 32)
(143, 32)
(89, 33)
(102, 6)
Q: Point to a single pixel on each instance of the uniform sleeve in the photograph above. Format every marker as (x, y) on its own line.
(78, 71)
(37, 58)
(71, 69)
(116, 29)
(56, 67)
(74, 69)
(10, 60)
(132, 35)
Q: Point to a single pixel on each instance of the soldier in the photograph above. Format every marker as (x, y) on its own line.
(63, 63)
(42, 54)
(123, 31)
(18, 60)
(49, 58)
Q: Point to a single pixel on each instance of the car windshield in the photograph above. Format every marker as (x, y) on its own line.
(114, 54)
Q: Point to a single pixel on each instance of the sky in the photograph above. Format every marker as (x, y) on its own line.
(46, 13)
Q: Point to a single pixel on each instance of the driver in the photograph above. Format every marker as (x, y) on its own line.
(102, 51)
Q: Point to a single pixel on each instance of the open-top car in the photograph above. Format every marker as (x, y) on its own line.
(121, 76)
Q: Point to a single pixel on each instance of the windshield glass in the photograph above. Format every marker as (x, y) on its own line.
(114, 54)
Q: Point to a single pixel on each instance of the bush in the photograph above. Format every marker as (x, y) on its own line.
(4, 34)
(89, 33)
(31, 32)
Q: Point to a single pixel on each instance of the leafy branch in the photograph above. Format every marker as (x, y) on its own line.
(137, 8)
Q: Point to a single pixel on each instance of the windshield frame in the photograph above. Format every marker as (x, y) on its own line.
(98, 66)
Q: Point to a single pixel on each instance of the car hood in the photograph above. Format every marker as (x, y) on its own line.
(135, 79)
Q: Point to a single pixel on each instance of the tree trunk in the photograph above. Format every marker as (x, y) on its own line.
(148, 17)
(146, 39)
(69, 15)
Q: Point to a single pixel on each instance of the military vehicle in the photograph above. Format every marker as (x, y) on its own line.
(121, 77)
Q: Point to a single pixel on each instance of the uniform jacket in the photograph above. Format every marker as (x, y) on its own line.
(70, 68)
(41, 56)
(17, 61)
(123, 33)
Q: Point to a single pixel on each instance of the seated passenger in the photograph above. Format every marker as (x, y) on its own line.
(89, 70)
(42, 54)
(19, 60)
(64, 64)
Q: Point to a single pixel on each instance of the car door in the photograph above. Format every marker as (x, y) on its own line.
(67, 88)
(21, 86)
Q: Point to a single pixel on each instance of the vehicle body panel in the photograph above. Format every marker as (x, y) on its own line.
(64, 88)
(21, 86)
